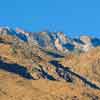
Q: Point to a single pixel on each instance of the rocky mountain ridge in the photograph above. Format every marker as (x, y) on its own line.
(54, 40)
(34, 66)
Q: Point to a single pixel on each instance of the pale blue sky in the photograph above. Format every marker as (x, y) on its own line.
(78, 16)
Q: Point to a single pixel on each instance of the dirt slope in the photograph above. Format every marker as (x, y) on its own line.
(32, 73)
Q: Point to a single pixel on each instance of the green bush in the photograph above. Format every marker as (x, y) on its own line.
(14, 51)
(77, 51)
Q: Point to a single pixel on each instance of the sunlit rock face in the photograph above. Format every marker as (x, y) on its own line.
(53, 40)
(3, 30)
(85, 39)
(44, 39)
(58, 45)
(62, 37)
(87, 43)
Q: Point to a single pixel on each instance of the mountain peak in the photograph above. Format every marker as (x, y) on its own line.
(55, 40)
(51, 59)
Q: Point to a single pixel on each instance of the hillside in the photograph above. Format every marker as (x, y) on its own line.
(38, 66)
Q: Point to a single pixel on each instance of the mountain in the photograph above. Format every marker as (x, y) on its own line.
(54, 40)
(48, 66)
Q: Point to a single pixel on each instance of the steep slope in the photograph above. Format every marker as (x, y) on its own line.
(13, 87)
(33, 71)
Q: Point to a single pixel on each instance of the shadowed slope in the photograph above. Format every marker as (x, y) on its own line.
(45, 74)
(60, 68)
(95, 42)
(15, 68)
(54, 54)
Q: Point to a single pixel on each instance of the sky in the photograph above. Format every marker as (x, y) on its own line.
(73, 17)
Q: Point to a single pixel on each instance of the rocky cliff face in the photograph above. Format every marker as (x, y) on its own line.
(52, 40)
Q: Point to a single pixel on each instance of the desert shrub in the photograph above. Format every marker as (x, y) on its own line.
(96, 67)
(77, 51)
(27, 53)
(0, 58)
(14, 51)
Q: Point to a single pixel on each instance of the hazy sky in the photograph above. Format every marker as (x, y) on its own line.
(78, 16)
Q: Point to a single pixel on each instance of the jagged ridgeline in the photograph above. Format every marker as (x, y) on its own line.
(54, 40)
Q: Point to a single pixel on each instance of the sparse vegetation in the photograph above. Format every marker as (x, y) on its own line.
(14, 51)
(26, 72)
(77, 51)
